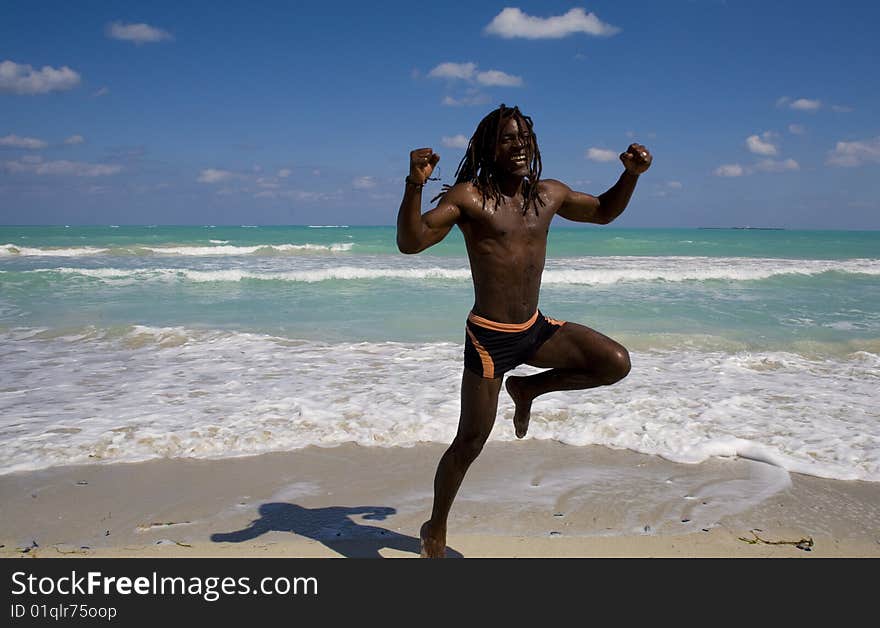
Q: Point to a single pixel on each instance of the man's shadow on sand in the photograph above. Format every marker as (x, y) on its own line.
(332, 527)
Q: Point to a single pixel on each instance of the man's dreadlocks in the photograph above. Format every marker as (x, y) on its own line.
(478, 164)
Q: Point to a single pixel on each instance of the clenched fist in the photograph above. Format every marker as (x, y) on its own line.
(421, 164)
(636, 159)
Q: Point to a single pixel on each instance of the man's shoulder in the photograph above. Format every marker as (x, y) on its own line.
(464, 195)
(552, 192)
(465, 188)
(551, 186)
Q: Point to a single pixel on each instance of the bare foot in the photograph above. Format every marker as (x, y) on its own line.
(523, 405)
(433, 545)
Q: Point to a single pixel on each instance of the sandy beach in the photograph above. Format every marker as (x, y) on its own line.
(523, 499)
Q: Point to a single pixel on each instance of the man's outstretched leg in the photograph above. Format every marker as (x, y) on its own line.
(579, 358)
(479, 403)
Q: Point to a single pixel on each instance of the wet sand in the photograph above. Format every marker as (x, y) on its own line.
(520, 499)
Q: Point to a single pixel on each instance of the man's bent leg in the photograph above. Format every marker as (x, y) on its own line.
(579, 358)
(479, 403)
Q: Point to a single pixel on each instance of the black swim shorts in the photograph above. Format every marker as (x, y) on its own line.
(491, 349)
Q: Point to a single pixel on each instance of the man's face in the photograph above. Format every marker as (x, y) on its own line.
(513, 153)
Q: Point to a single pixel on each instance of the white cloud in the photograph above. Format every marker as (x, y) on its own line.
(850, 154)
(15, 141)
(20, 78)
(800, 104)
(456, 141)
(773, 165)
(667, 188)
(796, 129)
(364, 183)
(75, 139)
(464, 71)
(214, 175)
(468, 72)
(101, 92)
(765, 165)
(761, 145)
(601, 154)
(271, 184)
(299, 195)
(284, 173)
(465, 101)
(306, 195)
(63, 167)
(136, 33)
(498, 78)
(841, 108)
(805, 104)
(730, 170)
(512, 22)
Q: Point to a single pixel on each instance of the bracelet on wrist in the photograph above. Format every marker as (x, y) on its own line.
(413, 182)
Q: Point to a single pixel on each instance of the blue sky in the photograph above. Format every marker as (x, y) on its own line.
(758, 113)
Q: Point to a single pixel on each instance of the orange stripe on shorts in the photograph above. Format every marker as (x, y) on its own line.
(485, 358)
(508, 327)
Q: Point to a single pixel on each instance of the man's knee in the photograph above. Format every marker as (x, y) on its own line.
(467, 447)
(622, 363)
(618, 366)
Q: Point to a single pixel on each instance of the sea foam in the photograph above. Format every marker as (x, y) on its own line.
(135, 393)
(220, 247)
(574, 271)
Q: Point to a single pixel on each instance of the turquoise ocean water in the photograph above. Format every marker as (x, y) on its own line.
(129, 343)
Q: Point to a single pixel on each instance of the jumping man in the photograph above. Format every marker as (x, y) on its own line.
(504, 209)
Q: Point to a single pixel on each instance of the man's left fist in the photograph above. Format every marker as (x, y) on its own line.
(636, 159)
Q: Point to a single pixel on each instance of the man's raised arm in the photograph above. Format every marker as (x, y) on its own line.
(415, 231)
(606, 207)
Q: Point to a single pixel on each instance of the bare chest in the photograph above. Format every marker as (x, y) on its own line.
(508, 225)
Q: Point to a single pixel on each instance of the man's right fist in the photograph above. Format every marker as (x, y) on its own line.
(421, 164)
